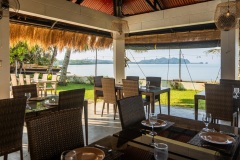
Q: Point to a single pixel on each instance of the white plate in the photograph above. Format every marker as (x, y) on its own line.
(89, 153)
(216, 138)
(160, 123)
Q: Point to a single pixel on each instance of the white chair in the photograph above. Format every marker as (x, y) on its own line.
(21, 79)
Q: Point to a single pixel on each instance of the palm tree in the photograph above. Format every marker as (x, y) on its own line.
(63, 76)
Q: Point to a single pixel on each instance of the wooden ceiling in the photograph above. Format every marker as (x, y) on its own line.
(124, 8)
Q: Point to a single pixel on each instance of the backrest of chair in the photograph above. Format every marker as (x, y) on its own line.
(28, 79)
(131, 111)
(45, 76)
(154, 81)
(49, 135)
(12, 112)
(132, 78)
(14, 79)
(98, 81)
(219, 101)
(54, 77)
(36, 76)
(71, 99)
(19, 91)
(21, 79)
(231, 82)
(109, 92)
(130, 88)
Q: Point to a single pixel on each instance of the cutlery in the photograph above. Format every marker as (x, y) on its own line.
(99, 146)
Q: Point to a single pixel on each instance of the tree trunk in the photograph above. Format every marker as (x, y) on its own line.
(63, 76)
(50, 67)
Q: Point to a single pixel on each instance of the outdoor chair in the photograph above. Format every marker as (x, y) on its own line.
(19, 91)
(98, 93)
(35, 76)
(28, 79)
(155, 82)
(132, 78)
(109, 92)
(219, 102)
(71, 99)
(14, 81)
(131, 88)
(52, 86)
(50, 135)
(12, 112)
(21, 79)
(131, 111)
(231, 82)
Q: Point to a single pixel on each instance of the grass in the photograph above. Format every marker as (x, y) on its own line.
(183, 98)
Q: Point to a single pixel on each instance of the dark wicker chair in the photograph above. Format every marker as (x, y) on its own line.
(131, 111)
(109, 92)
(98, 93)
(71, 99)
(132, 78)
(156, 82)
(131, 88)
(19, 91)
(12, 112)
(54, 133)
(231, 82)
(219, 102)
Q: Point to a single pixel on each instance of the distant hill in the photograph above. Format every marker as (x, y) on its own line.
(149, 61)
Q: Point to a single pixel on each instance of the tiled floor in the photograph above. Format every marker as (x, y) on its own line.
(100, 127)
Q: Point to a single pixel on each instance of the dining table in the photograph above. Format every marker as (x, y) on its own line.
(152, 91)
(185, 138)
(37, 106)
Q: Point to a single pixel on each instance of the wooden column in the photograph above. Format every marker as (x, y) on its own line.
(4, 56)
(118, 59)
(229, 54)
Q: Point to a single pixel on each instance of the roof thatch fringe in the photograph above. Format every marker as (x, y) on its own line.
(46, 37)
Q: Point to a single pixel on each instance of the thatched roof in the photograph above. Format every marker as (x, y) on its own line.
(46, 37)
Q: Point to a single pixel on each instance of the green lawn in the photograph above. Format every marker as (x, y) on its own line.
(183, 98)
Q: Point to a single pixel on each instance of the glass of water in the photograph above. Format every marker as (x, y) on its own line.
(147, 84)
(160, 151)
(28, 95)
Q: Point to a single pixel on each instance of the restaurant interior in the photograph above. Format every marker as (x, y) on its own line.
(125, 121)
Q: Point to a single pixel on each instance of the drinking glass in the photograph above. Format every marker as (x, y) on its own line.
(28, 95)
(69, 155)
(152, 121)
(236, 91)
(160, 151)
(206, 118)
(147, 84)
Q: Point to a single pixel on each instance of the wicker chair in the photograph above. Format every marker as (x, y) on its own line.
(131, 111)
(71, 99)
(219, 102)
(132, 78)
(155, 81)
(109, 92)
(12, 112)
(98, 93)
(131, 88)
(54, 133)
(231, 82)
(19, 91)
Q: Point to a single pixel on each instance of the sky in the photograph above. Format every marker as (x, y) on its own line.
(193, 55)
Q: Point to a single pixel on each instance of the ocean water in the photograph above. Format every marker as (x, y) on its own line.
(195, 72)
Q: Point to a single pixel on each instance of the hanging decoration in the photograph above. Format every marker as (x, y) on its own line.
(226, 16)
